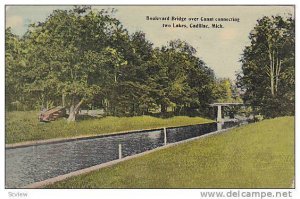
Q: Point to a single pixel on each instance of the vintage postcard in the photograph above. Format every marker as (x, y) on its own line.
(150, 96)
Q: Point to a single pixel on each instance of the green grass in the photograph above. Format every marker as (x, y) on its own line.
(24, 126)
(259, 155)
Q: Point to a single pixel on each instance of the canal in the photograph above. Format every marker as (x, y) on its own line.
(26, 165)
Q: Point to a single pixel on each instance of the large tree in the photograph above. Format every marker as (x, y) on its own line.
(129, 95)
(71, 55)
(268, 65)
(86, 57)
(15, 62)
(180, 80)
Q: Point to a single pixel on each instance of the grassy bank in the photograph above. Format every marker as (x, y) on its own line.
(24, 126)
(259, 155)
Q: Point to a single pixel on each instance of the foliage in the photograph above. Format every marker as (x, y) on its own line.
(86, 58)
(15, 63)
(268, 67)
(226, 91)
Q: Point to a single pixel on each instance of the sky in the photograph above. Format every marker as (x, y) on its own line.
(219, 48)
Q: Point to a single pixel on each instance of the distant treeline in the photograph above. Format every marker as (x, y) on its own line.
(86, 58)
(82, 57)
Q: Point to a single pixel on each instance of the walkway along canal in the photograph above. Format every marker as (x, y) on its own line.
(30, 164)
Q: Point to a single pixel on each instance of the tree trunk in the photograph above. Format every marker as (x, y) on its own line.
(163, 108)
(271, 59)
(277, 72)
(272, 83)
(74, 111)
(63, 99)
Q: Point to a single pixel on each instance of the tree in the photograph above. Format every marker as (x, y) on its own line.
(226, 91)
(130, 95)
(267, 76)
(179, 80)
(15, 51)
(72, 56)
(84, 57)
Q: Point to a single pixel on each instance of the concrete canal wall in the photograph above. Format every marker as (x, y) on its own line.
(114, 162)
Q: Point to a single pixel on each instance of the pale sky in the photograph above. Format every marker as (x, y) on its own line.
(220, 49)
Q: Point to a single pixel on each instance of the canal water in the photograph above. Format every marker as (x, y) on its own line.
(31, 164)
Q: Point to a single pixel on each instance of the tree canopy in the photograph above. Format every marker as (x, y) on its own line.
(268, 67)
(86, 58)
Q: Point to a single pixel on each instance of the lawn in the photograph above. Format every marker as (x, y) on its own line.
(258, 155)
(24, 126)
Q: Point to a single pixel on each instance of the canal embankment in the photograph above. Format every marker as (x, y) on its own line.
(258, 155)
